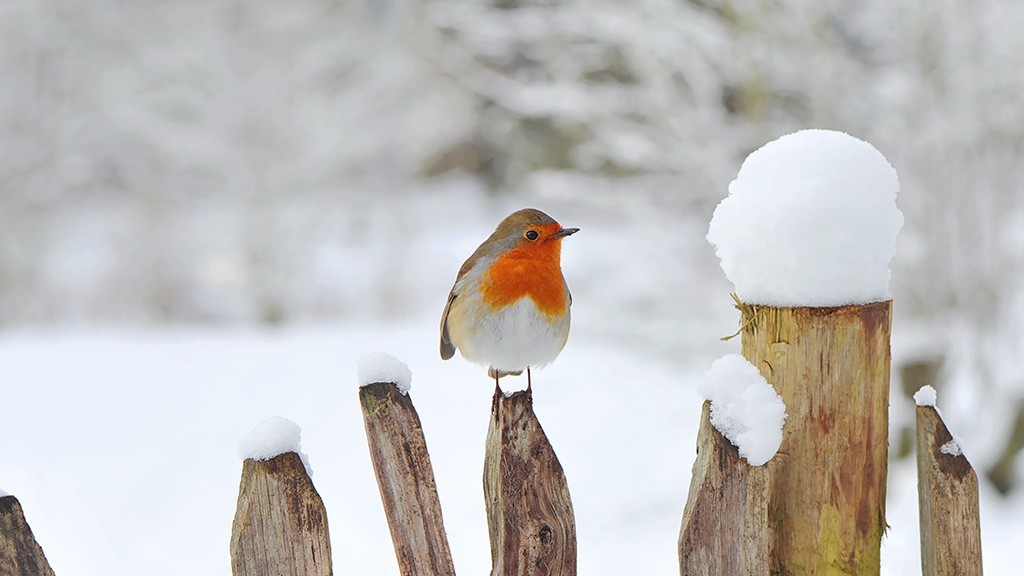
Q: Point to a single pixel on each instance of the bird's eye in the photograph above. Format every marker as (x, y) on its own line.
(531, 234)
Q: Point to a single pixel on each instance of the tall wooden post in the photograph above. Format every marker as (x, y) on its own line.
(827, 496)
(529, 511)
(280, 526)
(405, 477)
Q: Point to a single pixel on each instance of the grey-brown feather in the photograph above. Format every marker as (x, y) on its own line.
(447, 348)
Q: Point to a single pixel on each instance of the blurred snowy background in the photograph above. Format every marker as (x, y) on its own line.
(209, 209)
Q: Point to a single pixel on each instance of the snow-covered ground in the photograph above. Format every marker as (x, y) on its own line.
(121, 446)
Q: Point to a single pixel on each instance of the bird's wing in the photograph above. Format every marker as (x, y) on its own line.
(447, 348)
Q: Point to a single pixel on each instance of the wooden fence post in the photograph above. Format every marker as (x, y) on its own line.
(725, 523)
(20, 554)
(406, 480)
(947, 489)
(827, 494)
(280, 526)
(529, 511)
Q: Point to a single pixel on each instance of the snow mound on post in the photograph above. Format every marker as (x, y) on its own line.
(744, 407)
(926, 396)
(378, 367)
(810, 220)
(3, 493)
(271, 438)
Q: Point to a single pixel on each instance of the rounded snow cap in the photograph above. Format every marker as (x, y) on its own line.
(381, 367)
(810, 220)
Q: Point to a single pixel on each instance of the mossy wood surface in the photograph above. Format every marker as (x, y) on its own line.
(947, 490)
(827, 494)
(398, 450)
(20, 554)
(280, 526)
(529, 511)
(725, 522)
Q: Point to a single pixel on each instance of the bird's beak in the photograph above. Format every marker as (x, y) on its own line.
(565, 232)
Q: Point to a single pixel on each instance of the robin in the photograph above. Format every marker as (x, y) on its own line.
(509, 308)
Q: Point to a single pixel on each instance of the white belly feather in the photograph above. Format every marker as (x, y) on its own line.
(514, 338)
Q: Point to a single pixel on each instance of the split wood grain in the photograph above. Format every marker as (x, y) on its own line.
(831, 367)
(20, 554)
(280, 526)
(529, 511)
(725, 522)
(947, 489)
(398, 450)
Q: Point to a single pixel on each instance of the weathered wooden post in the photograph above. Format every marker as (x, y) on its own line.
(280, 526)
(529, 511)
(20, 554)
(405, 477)
(827, 488)
(947, 489)
(725, 522)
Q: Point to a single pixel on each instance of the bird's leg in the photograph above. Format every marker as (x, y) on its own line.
(497, 387)
(529, 383)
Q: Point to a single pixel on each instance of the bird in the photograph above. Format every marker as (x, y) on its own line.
(509, 307)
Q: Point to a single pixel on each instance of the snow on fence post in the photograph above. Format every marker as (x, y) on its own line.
(20, 554)
(405, 477)
(947, 491)
(529, 511)
(280, 526)
(725, 523)
(806, 235)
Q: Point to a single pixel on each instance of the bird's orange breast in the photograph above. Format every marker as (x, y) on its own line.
(532, 270)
